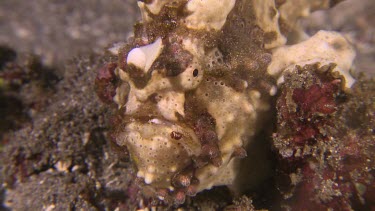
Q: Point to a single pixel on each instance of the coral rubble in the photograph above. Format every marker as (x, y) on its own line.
(196, 82)
(325, 139)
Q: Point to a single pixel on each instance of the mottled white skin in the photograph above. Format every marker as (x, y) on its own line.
(158, 156)
(171, 102)
(144, 56)
(121, 94)
(208, 14)
(137, 96)
(324, 47)
(194, 46)
(235, 114)
(160, 85)
(269, 23)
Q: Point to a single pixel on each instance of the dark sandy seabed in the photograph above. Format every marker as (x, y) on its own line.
(53, 148)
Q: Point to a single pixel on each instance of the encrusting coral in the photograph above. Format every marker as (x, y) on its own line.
(325, 140)
(196, 82)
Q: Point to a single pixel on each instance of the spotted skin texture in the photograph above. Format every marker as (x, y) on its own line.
(193, 93)
(193, 112)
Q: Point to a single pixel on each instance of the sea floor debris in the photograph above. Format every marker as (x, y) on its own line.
(201, 116)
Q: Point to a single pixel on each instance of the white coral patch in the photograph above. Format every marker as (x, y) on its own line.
(143, 57)
(324, 47)
(208, 14)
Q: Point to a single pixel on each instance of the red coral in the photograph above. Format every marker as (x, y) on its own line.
(317, 98)
(325, 158)
(309, 110)
(105, 82)
(321, 189)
